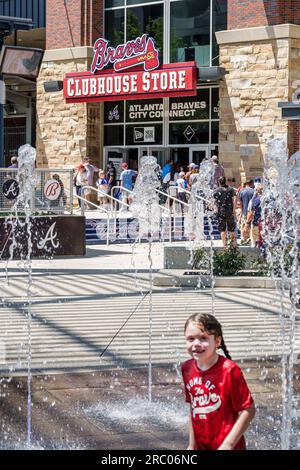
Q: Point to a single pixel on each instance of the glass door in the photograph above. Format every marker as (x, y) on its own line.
(161, 154)
(199, 153)
(115, 155)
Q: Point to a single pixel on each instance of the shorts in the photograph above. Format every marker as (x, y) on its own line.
(226, 221)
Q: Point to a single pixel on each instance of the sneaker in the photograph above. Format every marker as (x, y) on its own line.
(245, 242)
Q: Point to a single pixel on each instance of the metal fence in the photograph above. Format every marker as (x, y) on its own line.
(53, 191)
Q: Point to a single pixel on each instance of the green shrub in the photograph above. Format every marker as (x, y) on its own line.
(226, 262)
(229, 261)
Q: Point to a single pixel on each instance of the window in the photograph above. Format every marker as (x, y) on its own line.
(144, 134)
(146, 19)
(219, 23)
(189, 133)
(114, 135)
(114, 3)
(190, 28)
(114, 27)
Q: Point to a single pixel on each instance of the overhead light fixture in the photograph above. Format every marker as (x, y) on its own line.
(211, 74)
(54, 85)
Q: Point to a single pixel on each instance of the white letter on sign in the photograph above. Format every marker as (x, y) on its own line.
(146, 81)
(93, 86)
(133, 83)
(70, 87)
(181, 78)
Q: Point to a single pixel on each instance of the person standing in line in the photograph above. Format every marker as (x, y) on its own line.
(193, 176)
(90, 170)
(167, 173)
(111, 174)
(225, 201)
(221, 405)
(126, 181)
(188, 174)
(245, 197)
(181, 194)
(13, 162)
(80, 180)
(102, 185)
(254, 216)
(218, 172)
(238, 207)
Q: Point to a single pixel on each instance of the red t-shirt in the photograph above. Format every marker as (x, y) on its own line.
(216, 395)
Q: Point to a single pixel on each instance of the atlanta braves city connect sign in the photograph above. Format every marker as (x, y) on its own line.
(147, 81)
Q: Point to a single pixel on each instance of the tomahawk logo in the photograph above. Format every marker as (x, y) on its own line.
(50, 237)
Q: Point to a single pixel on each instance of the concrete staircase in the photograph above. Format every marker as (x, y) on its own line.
(124, 230)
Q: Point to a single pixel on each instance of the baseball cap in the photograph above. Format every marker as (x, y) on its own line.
(192, 165)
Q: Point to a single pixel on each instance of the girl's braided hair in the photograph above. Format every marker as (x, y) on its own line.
(211, 325)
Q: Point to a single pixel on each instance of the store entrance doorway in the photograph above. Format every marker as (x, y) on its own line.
(161, 154)
(199, 153)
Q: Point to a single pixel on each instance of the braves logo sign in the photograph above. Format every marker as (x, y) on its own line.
(51, 237)
(52, 190)
(141, 51)
(11, 189)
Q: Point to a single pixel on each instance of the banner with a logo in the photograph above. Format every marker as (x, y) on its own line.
(50, 236)
(144, 135)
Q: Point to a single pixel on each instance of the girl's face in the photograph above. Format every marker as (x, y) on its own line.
(200, 344)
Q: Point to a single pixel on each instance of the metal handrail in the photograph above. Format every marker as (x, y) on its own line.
(163, 208)
(112, 198)
(172, 197)
(98, 207)
(197, 195)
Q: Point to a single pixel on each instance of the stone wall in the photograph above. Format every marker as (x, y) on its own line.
(259, 75)
(65, 132)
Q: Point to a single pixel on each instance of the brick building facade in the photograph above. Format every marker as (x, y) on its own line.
(252, 13)
(260, 50)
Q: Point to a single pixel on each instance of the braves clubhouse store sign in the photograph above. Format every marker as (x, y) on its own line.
(146, 81)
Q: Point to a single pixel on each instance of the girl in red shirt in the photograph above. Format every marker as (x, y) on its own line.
(221, 405)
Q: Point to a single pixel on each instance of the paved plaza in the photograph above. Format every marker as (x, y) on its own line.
(87, 396)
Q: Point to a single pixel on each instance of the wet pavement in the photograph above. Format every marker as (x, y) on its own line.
(110, 410)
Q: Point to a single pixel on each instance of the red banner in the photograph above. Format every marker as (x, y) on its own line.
(178, 79)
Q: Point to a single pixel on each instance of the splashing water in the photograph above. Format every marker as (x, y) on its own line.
(139, 413)
(25, 203)
(281, 220)
(145, 207)
(200, 204)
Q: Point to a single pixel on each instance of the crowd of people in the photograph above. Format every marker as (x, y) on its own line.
(234, 207)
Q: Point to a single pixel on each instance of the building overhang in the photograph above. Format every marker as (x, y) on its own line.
(10, 23)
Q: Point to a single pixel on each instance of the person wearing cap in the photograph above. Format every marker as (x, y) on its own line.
(126, 182)
(218, 172)
(194, 176)
(181, 194)
(191, 167)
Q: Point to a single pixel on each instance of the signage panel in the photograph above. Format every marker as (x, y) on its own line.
(170, 80)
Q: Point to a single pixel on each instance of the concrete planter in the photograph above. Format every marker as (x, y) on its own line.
(178, 278)
(178, 256)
